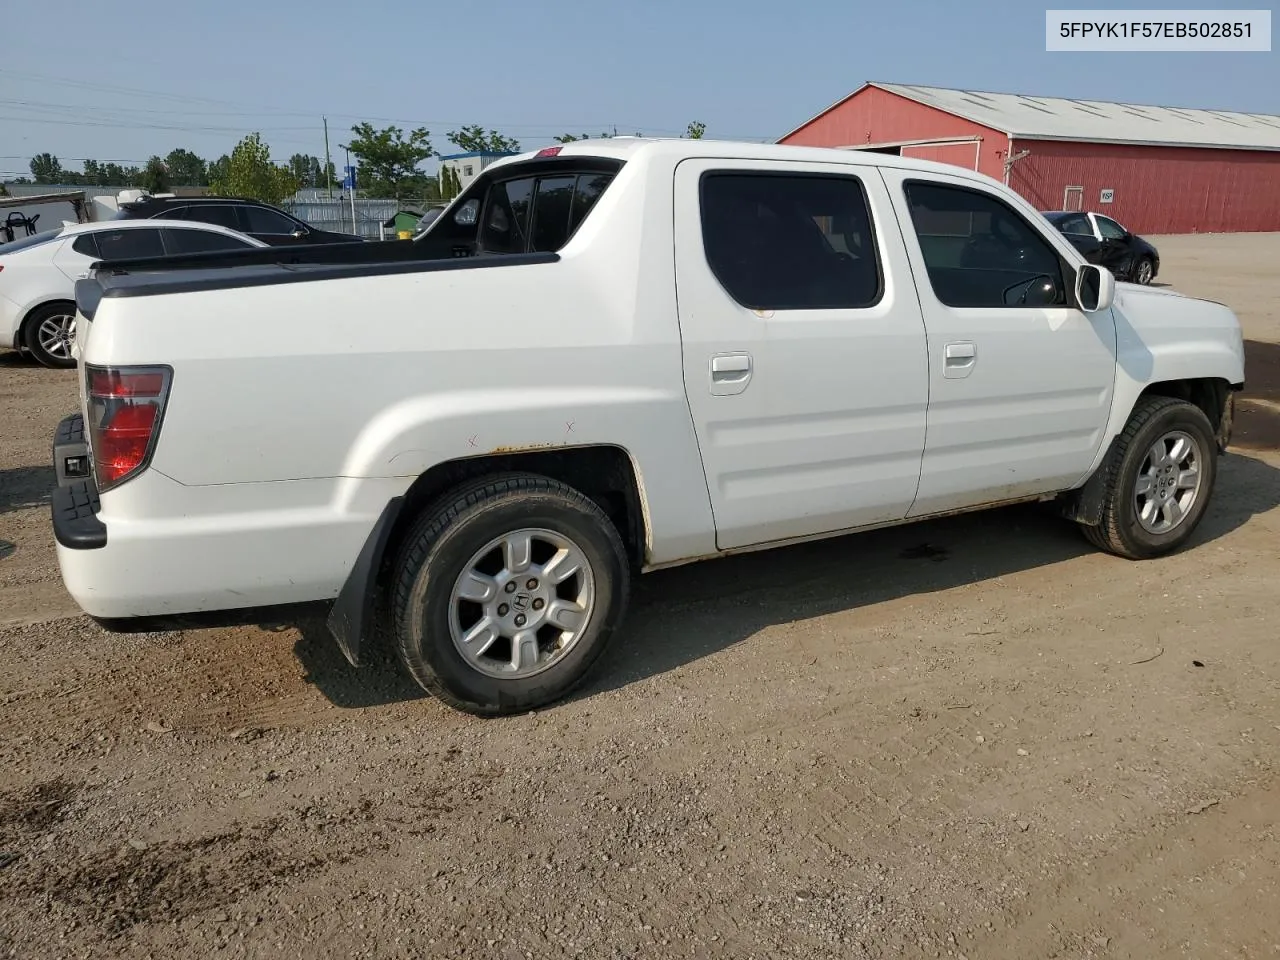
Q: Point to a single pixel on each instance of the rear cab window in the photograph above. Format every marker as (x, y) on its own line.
(531, 207)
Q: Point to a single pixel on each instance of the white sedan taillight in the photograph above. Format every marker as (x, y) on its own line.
(126, 406)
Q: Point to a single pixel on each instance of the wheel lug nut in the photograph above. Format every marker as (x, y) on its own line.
(510, 587)
(503, 609)
(520, 620)
(532, 584)
(539, 604)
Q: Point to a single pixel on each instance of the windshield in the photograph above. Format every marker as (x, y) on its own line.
(26, 243)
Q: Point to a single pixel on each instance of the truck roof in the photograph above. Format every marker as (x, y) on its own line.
(639, 148)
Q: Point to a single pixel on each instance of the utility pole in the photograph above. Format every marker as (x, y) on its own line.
(352, 174)
(328, 178)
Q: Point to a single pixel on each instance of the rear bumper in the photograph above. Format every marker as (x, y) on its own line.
(153, 548)
(10, 321)
(75, 500)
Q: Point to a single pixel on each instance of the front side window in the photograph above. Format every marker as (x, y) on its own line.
(129, 244)
(790, 241)
(1110, 230)
(262, 220)
(979, 252)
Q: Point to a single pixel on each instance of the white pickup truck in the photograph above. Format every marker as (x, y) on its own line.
(607, 358)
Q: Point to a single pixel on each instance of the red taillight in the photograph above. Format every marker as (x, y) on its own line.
(116, 383)
(549, 152)
(126, 405)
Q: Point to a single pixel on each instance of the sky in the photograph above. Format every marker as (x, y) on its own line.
(123, 81)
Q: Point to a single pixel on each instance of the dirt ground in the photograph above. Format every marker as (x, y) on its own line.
(971, 738)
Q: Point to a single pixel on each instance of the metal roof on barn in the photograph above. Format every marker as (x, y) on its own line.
(1098, 121)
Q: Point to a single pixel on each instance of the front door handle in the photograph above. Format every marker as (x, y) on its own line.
(959, 359)
(730, 373)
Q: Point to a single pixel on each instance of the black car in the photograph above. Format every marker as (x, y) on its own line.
(259, 220)
(1106, 243)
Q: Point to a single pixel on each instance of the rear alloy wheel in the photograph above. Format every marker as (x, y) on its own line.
(1159, 479)
(49, 334)
(1144, 271)
(507, 592)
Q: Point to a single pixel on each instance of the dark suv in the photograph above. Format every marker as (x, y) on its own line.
(259, 220)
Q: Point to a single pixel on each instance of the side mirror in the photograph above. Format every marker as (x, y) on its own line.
(467, 213)
(1095, 288)
(299, 233)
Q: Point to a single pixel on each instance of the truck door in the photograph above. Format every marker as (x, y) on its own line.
(805, 360)
(1020, 380)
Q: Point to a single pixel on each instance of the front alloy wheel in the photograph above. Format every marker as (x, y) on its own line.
(1157, 479)
(1168, 483)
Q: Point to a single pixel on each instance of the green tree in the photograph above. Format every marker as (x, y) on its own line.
(46, 168)
(389, 159)
(217, 169)
(155, 176)
(114, 175)
(251, 174)
(186, 168)
(450, 184)
(3, 190)
(473, 137)
(695, 130)
(308, 170)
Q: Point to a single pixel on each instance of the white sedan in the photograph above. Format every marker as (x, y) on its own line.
(38, 274)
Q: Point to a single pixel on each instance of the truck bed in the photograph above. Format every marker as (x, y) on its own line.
(381, 251)
(165, 275)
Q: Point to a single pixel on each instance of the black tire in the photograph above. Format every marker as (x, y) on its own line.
(1143, 270)
(34, 331)
(436, 552)
(1120, 531)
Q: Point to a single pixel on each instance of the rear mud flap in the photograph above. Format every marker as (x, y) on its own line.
(352, 616)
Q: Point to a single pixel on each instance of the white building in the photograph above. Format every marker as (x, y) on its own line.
(468, 165)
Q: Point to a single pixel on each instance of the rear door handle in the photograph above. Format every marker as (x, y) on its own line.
(730, 373)
(959, 359)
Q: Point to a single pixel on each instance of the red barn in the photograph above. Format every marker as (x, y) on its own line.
(1154, 169)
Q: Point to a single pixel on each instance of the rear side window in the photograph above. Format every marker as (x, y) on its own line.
(86, 244)
(219, 214)
(790, 241)
(200, 241)
(538, 214)
(129, 244)
(25, 243)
